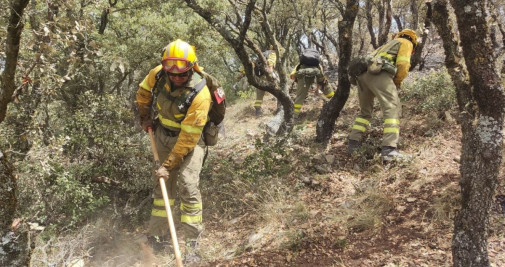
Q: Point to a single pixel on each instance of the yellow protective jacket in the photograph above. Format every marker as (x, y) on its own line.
(398, 55)
(189, 124)
(403, 60)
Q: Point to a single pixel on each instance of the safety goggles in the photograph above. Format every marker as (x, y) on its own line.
(182, 75)
(177, 65)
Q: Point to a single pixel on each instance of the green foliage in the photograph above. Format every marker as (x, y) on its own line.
(55, 193)
(434, 92)
(92, 153)
(269, 160)
(103, 131)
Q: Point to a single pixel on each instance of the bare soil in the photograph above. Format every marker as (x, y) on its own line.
(422, 195)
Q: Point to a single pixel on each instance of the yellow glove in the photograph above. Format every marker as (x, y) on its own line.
(162, 172)
(172, 162)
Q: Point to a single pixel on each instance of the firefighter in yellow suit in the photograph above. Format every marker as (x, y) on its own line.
(271, 58)
(381, 81)
(177, 138)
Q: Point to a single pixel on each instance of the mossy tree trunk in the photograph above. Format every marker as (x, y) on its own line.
(14, 244)
(481, 101)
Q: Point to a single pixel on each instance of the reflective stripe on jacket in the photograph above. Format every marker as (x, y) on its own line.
(171, 114)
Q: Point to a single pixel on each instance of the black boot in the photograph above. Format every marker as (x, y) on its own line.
(259, 112)
(390, 153)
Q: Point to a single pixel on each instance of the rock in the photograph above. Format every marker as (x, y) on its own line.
(306, 180)
(319, 158)
(330, 159)
(411, 199)
(448, 117)
(76, 263)
(321, 169)
(401, 208)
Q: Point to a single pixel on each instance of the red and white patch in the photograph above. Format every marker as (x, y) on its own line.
(219, 95)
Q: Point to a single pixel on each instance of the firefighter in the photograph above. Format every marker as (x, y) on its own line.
(305, 76)
(271, 58)
(178, 141)
(389, 65)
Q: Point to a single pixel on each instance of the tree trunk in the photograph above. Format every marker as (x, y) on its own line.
(398, 21)
(387, 9)
(238, 42)
(8, 200)
(415, 14)
(14, 29)
(14, 244)
(416, 57)
(481, 118)
(369, 20)
(331, 110)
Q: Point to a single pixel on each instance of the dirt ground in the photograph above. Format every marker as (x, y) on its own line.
(422, 195)
(342, 198)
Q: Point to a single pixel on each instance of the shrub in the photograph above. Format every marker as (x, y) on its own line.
(92, 153)
(434, 92)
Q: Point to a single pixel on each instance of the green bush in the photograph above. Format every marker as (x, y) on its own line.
(93, 153)
(434, 92)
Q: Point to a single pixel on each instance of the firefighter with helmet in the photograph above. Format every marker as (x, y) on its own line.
(178, 133)
(389, 65)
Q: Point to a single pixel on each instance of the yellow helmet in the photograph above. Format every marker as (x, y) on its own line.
(178, 57)
(410, 35)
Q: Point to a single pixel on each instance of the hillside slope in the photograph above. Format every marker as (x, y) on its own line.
(334, 210)
(291, 202)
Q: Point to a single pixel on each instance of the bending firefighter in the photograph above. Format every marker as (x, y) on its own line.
(387, 67)
(305, 76)
(178, 138)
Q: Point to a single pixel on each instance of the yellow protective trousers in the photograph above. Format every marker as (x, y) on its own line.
(303, 85)
(382, 87)
(184, 179)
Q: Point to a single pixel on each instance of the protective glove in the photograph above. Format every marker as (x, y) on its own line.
(398, 86)
(146, 123)
(172, 162)
(162, 172)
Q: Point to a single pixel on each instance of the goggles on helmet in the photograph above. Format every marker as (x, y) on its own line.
(176, 65)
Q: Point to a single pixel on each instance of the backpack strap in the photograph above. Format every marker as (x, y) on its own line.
(159, 76)
(196, 89)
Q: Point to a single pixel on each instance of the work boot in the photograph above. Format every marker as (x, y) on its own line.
(259, 112)
(159, 243)
(390, 153)
(192, 252)
(352, 146)
(296, 117)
